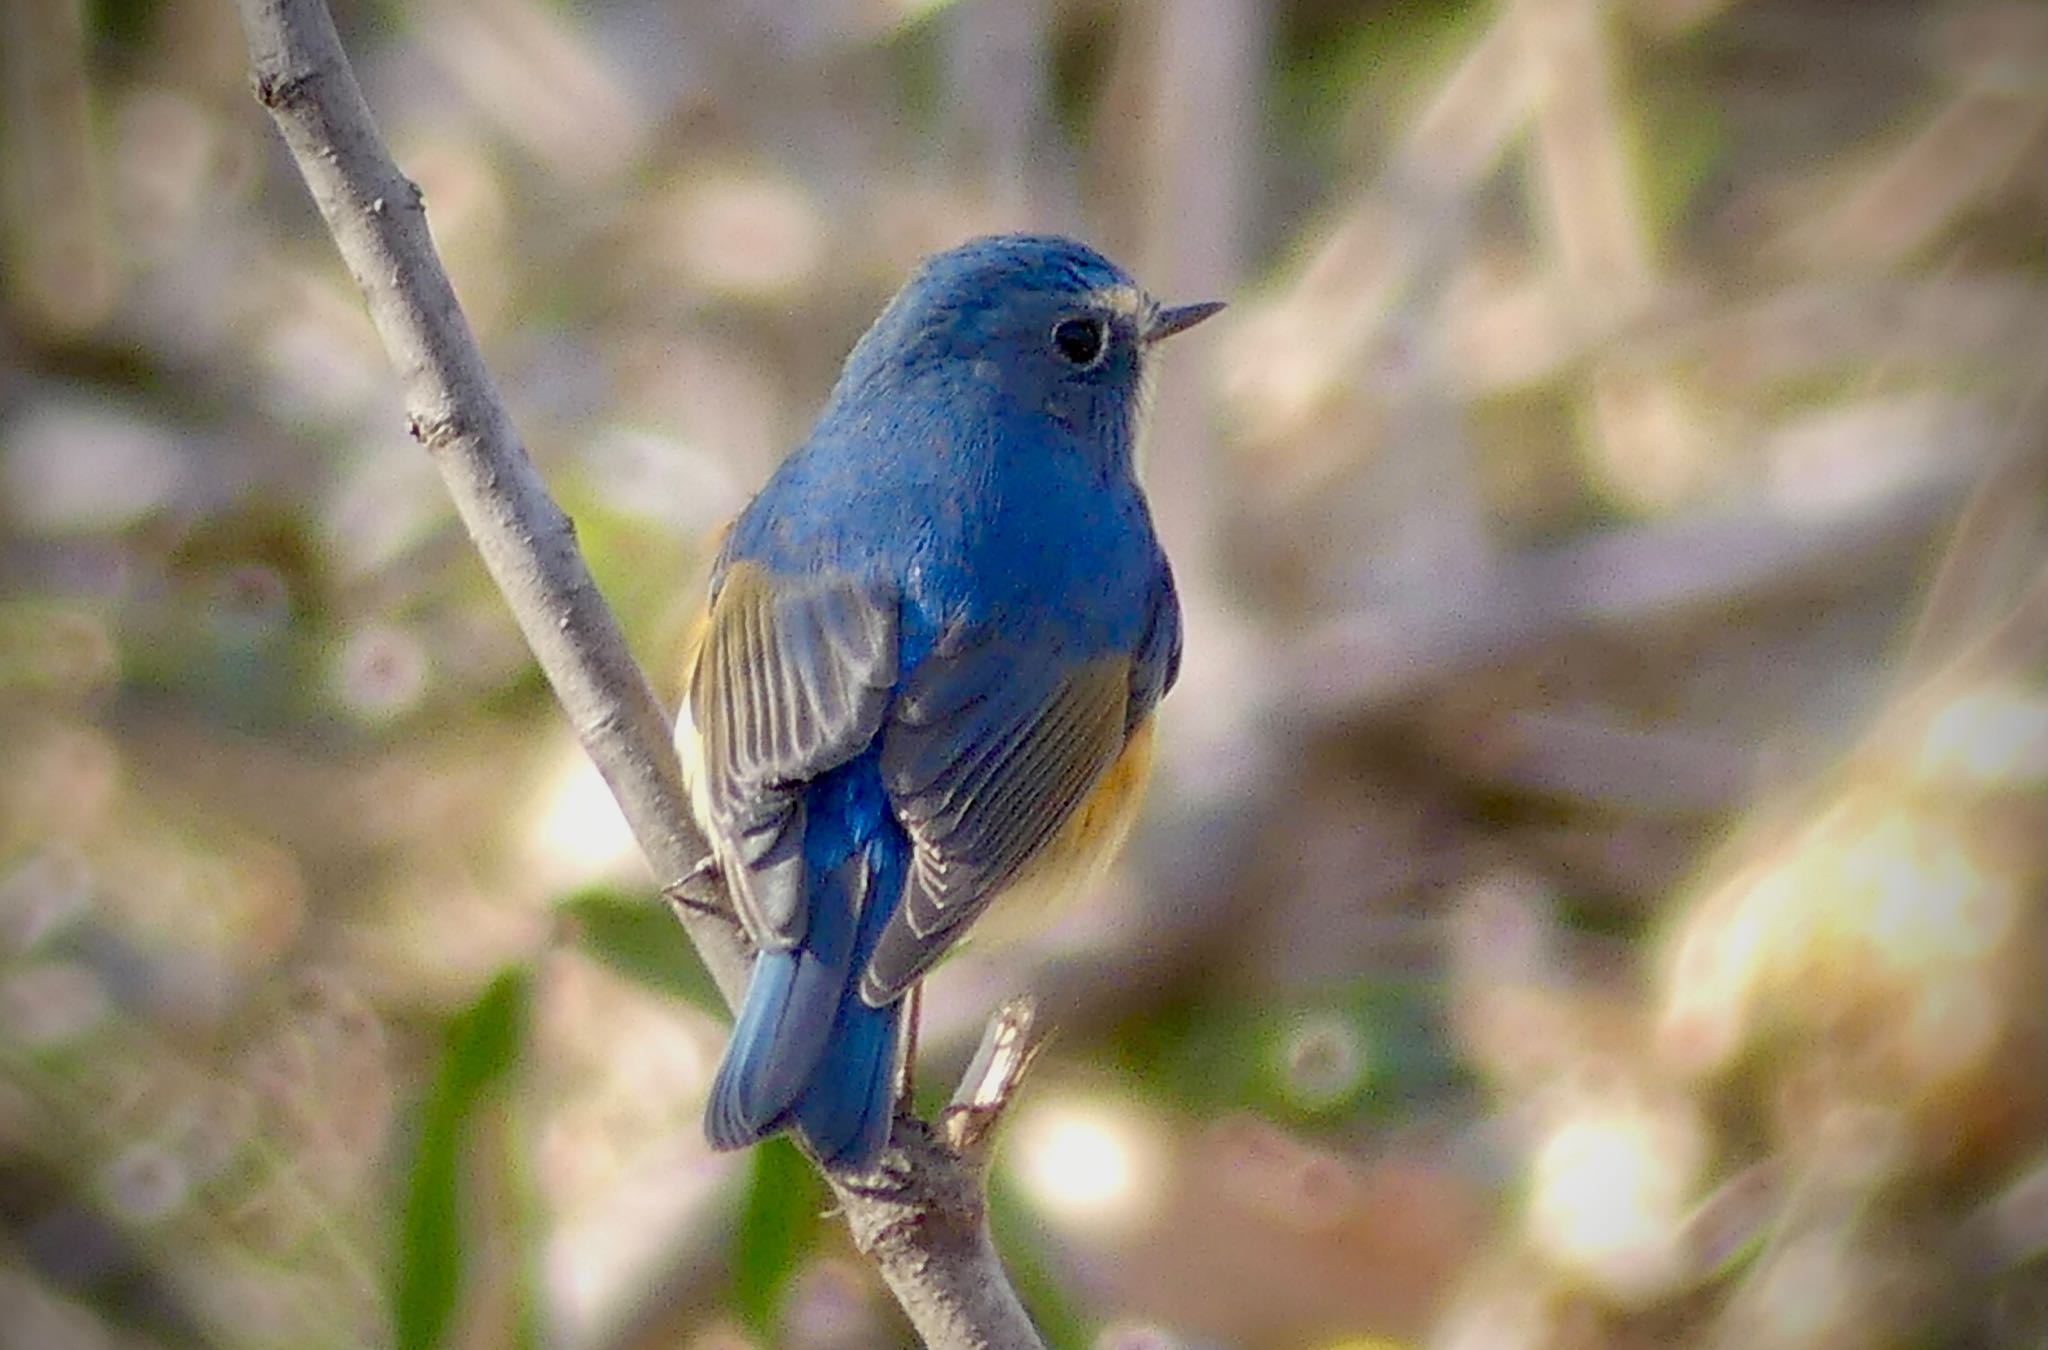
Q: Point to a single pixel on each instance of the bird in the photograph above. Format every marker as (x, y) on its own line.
(927, 667)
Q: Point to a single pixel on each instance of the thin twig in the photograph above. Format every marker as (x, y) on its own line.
(922, 1217)
(1007, 1048)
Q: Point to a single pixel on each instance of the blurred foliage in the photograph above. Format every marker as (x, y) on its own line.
(642, 942)
(777, 1226)
(1343, 1055)
(1593, 893)
(481, 1047)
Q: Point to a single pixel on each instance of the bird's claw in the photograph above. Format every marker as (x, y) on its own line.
(698, 892)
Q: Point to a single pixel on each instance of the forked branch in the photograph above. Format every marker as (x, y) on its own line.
(922, 1217)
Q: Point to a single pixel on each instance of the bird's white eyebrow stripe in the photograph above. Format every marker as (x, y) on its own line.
(1125, 301)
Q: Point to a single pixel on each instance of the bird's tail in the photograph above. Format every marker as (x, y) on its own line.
(806, 1051)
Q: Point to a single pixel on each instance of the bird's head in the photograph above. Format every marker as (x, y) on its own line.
(1031, 325)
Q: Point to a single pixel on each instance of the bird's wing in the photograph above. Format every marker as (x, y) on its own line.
(1157, 665)
(987, 753)
(791, 679)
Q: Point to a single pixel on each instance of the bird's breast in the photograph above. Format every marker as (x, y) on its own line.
(1050, 536)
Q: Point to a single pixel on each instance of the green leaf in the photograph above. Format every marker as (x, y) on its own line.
(778, 1224)
(478, 1048)
(636, 936)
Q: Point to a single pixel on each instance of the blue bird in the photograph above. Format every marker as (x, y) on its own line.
(933, 645)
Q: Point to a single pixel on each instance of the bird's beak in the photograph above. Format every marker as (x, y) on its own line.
(1166, 322)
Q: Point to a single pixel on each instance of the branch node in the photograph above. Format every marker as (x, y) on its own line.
(436, 430)
(275, 91)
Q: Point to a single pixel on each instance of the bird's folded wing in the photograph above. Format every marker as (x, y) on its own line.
(1157, 664)
(791, 680)
(986, 755)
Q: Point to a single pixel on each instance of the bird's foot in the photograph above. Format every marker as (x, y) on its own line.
(890, 1178)
(698, 892)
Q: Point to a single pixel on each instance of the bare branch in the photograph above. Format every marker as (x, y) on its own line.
(922, 1216)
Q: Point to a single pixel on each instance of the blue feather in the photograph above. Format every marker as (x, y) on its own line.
(845, 1113)
(805, 1050)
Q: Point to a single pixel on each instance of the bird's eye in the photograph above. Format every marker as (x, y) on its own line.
(1080, 341)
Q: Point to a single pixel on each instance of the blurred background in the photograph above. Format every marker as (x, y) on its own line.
(1593, 891)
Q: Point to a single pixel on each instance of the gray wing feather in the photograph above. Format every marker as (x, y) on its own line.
(985, 757)
(791, 680)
